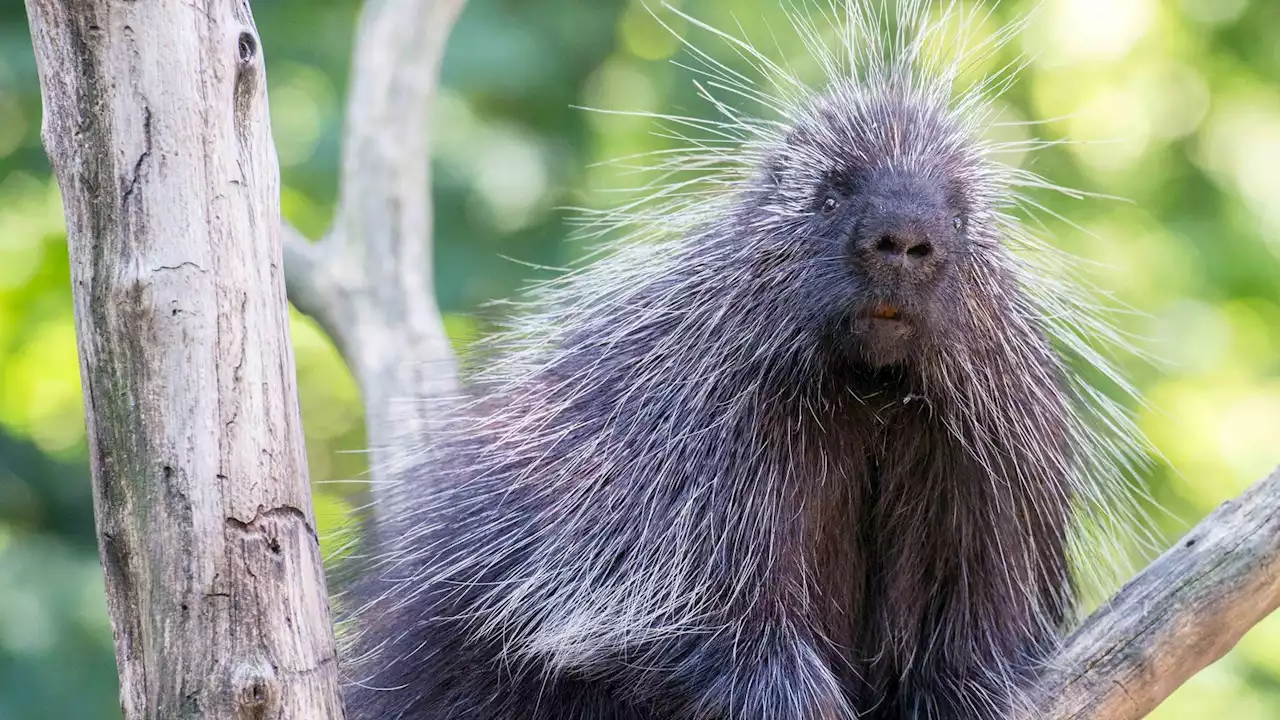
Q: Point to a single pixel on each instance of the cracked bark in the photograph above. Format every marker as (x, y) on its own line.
(1184, 611)
(156, 126)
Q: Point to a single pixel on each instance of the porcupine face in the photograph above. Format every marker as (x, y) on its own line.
(878, 190)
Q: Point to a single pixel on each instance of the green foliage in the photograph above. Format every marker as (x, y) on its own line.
(1174, 104)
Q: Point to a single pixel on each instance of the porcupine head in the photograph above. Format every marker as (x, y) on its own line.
(812, 439)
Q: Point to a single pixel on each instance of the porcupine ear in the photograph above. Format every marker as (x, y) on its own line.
(771, 174)
(774, 168)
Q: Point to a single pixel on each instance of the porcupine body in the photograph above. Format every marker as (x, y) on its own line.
(809, 448)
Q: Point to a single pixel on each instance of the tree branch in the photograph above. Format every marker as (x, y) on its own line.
(307, 281)
(1183, 612)
(369, 284)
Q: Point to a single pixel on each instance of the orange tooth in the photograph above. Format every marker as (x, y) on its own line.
(884, 311)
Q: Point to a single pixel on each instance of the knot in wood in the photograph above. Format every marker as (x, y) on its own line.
(248, 47)
(257, 691)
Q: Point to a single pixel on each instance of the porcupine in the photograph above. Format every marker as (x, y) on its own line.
(810, 443)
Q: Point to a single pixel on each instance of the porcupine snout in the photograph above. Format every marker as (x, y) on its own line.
(902, 233)
(905, 234)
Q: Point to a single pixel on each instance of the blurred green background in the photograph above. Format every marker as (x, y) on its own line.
(1183, 92)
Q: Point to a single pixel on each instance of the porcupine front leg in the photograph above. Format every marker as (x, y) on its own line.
(975, 697)
(770, 671)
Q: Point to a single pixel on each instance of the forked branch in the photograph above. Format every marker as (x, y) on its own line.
(368, 283)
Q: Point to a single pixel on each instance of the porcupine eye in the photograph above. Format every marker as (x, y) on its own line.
(836, 187)
(957, 223)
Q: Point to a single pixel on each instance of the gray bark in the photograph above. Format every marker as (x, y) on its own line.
(156, 125)
(368, 283)
(1184, 611)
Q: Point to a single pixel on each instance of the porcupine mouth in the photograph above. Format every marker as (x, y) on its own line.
(886, 311)
(882, 334)
(889, 319)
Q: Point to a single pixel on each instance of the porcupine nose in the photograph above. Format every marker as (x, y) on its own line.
(898, 247)
(903, 246)
(902, 233)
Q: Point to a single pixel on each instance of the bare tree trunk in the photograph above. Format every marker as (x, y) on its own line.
(157, 128)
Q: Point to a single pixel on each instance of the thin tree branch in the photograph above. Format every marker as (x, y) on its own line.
(1183, 612)
(307, 281)
(369, 284)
